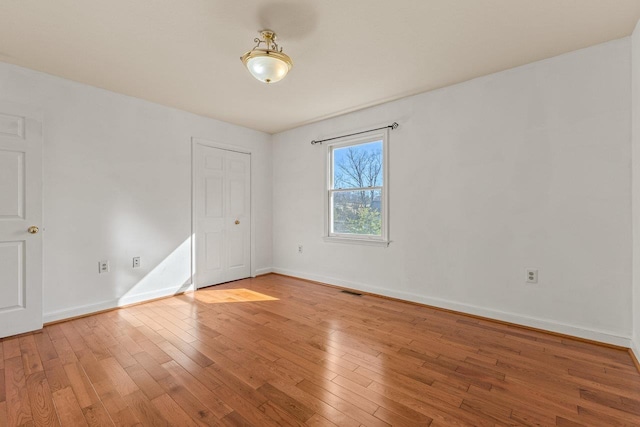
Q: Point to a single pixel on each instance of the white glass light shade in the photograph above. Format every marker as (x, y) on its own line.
(267, 66)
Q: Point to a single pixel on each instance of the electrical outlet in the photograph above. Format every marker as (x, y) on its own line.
(532, 275)
(299, 249)
(103, 267)
(136, 262)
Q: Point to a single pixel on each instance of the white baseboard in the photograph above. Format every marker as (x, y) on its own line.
(635, 349)
(55, 316)
(262, 271)
(576, 331)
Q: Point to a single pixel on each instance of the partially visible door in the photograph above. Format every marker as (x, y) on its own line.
(20, 220)
(222, 215)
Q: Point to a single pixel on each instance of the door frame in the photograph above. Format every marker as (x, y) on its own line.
(214, 144)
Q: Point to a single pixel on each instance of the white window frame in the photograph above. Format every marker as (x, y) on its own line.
(383, 239)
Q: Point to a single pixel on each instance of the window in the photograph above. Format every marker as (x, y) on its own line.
(357, 179)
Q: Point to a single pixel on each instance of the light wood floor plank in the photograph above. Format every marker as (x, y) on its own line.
(96, 415)
(17, 398)
(68, 409)
(42, 407)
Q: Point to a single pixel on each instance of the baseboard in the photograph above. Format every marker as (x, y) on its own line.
(263, 271)
(605, 337)
(56, 316)
(634, 351)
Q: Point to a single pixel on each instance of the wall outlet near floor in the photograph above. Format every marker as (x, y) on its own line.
(532, 275)
(136, 262)
(103, 267)
(299, 249)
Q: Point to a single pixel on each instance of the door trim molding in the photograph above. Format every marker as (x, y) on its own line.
(214, 144)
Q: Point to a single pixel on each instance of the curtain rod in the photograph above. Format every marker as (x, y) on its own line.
(392, 126)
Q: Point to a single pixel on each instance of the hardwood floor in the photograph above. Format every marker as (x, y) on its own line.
(276, 351)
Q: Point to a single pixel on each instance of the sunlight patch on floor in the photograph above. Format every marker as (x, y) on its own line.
(215, 296)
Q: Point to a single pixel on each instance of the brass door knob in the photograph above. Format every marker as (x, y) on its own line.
(33, 229)
(237, 221)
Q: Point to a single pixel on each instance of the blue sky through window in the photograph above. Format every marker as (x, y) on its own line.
(358, 165)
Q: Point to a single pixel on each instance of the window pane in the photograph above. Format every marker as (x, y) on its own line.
(358, 166)
(357, 212)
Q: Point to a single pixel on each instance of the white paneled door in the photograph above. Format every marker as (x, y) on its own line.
(222, 191)
(20, 220)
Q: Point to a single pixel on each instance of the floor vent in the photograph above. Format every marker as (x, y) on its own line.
(351, 293)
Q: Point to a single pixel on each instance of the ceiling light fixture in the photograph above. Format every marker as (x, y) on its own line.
(267, 64)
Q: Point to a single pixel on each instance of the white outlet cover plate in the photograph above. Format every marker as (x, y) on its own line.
(103, 266)
(532, 275)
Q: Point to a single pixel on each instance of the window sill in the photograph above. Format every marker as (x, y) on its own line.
(366, 242)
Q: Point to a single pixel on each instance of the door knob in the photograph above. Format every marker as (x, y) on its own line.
(237, 221)
(33, 229)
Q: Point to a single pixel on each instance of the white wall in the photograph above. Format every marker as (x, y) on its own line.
(530, 167)
(635, 143)
(117, 184)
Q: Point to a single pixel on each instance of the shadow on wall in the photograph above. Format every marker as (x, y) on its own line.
(171, 276)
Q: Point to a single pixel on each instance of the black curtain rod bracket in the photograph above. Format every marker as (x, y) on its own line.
(392, 126)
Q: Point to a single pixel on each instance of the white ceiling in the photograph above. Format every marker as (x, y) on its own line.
(347, 54)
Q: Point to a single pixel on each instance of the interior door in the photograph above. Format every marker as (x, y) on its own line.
(223, 215)
(20, 219)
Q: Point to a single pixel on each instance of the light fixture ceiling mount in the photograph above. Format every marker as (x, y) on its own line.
(266, 61)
